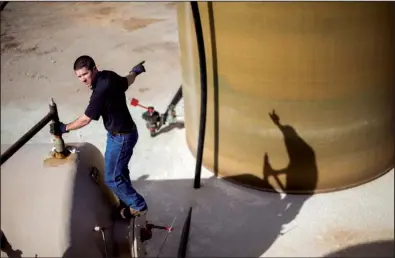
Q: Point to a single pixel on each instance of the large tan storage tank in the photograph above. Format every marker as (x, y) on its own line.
(326, 68)
(49, 207)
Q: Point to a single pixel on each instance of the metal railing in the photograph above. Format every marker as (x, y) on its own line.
(51, 116)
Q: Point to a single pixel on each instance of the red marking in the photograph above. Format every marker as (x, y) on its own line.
(151, 226)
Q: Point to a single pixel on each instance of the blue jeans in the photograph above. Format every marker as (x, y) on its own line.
(119, 150)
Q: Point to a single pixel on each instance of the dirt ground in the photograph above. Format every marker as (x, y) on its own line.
(39, 43)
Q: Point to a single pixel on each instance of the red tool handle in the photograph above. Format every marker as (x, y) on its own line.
(135, 102)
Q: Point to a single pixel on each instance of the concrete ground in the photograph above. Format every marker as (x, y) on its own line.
(39, 43)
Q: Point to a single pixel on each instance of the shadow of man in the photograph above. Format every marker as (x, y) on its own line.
(301, 172)
(278, 216)
(300, 175)
(6, 247)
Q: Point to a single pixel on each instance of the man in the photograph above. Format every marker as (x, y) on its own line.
(109, 101)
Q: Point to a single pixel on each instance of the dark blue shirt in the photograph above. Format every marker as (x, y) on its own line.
(109, 101)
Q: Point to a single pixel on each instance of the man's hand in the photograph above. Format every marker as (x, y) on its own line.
(138, 68)
(57, 128)
(275, 118)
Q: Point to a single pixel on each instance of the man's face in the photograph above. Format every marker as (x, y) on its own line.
(86, 76)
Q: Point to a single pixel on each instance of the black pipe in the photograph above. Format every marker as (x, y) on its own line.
(203, 92)
(52, 115)
(182, 249)
(177, 97)
(26, 137)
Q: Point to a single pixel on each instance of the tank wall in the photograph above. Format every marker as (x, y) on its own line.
(50, 206)
(326, 68)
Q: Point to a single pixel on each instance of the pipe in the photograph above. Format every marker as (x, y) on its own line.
(203, 86)
(26, 137)
(177, 97)
(182, 249)
(52, 115)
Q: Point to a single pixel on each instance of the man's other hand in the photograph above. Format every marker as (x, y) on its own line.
(138, 68)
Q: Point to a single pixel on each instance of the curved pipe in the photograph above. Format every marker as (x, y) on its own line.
(203, 87)
(202, 127)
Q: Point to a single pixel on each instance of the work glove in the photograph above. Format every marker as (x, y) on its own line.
(57, 128)
(138, 68)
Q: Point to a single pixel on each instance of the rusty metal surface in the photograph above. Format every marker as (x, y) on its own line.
(326, 68)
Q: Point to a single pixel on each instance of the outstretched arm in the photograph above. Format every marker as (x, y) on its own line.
(131, 77)
(276, 119)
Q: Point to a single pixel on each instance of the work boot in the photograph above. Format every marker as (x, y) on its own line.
(129, 213)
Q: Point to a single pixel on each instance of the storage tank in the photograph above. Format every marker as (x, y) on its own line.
(325, 68)
(50, 207)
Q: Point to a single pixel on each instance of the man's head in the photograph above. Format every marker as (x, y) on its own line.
(85, 69)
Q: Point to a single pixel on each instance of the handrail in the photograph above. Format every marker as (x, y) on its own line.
(52, 115)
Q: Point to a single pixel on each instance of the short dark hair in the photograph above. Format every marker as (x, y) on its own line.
(84, 61)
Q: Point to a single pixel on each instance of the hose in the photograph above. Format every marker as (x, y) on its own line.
(202, 127)
(203, 92)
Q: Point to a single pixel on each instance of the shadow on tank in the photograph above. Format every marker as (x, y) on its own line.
(374, 249)
(300, 174)
(274, 218)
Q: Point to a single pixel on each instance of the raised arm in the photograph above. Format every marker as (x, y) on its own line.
(138, 69)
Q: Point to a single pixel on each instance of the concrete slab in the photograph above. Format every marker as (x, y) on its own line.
(40, 42)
